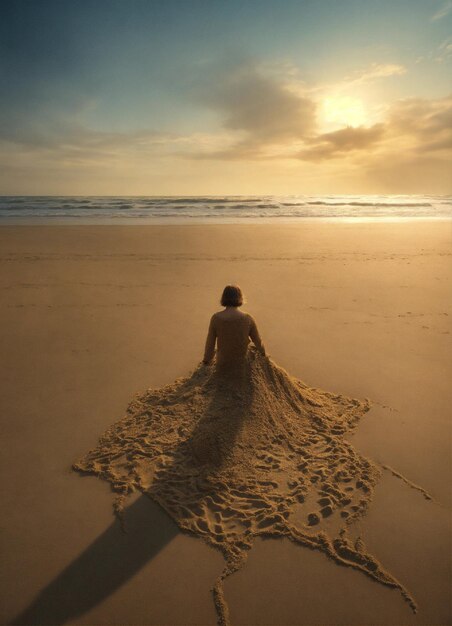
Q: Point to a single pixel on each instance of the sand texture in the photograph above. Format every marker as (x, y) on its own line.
(332, 509)
(238, 454)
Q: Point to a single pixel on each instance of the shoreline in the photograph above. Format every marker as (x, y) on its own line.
(189, 221)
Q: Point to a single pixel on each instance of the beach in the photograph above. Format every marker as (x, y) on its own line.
(92, 315)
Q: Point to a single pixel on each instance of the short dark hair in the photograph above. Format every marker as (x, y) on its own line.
(232, 296)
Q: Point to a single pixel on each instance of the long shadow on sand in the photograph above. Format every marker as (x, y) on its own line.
(114, 557)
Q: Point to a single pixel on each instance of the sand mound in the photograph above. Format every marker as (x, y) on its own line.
(232, 457)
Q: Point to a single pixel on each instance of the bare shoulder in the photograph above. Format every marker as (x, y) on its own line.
(249, 317)
(216, 316)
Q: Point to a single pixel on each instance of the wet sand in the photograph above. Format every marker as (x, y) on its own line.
(93, 315)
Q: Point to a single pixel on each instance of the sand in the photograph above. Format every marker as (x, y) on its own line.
(242, 451)
(93, 316)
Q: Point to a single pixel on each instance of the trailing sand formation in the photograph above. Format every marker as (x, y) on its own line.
(236, 455)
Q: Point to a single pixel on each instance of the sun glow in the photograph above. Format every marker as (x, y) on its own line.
(339, 111)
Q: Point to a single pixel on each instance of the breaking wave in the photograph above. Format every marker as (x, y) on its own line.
(222, 208)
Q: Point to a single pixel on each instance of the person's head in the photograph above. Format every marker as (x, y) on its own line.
(232, 296)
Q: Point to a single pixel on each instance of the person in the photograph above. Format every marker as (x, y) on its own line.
(231, 330)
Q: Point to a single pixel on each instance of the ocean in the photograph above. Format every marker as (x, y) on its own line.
(220, 209)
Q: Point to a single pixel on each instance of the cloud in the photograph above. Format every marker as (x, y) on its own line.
(414, 125)
(362, 76)
(257, 105)
(415, 150)
(425, 122)
(416, 134)
(77, 147)
(273, 111)
(444, 51)
(374, 71)
(339, 142)
(442, 12)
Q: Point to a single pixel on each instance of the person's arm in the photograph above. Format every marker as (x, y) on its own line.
(209, 350)
(255, 337)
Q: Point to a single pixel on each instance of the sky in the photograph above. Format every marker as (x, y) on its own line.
(213, 97)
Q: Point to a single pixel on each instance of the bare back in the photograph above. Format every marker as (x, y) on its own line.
(231, 330)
